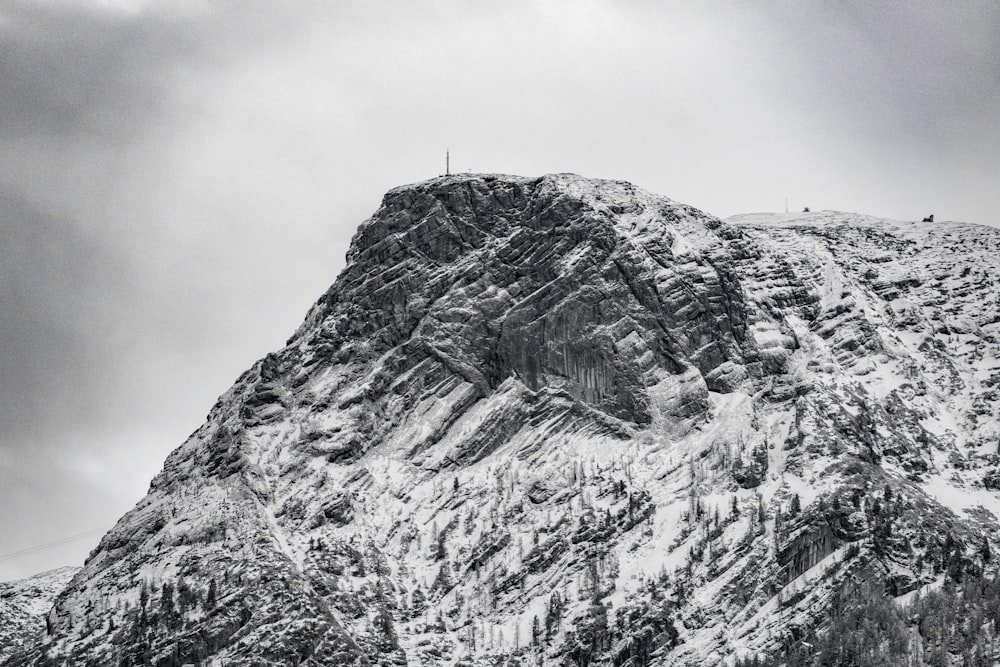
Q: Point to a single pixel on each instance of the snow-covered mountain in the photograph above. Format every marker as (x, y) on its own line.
(568, 421)
(23, 606)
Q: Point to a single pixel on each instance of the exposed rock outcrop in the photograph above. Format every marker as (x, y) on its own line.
(562, 419)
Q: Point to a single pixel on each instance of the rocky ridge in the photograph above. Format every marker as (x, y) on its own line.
(23, 606)
(569, 421)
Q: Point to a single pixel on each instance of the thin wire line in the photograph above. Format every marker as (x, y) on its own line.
(49, 545)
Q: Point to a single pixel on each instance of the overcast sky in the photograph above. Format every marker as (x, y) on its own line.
(180, 180)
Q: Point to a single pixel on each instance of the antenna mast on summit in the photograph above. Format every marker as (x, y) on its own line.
(447, 162)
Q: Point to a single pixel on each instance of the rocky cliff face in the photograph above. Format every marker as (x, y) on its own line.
(569, 421)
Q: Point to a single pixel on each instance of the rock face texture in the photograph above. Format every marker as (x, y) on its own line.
(23, 606)
(566, 421)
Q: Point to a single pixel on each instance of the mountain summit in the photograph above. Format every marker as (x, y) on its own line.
(566, 421)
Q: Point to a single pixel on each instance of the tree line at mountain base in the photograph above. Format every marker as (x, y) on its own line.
(956, 624)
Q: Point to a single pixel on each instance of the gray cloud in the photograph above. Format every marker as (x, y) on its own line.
(51, 276)
(72, 69)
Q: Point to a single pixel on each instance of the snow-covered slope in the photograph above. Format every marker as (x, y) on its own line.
(23, 606)
(571, 421)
